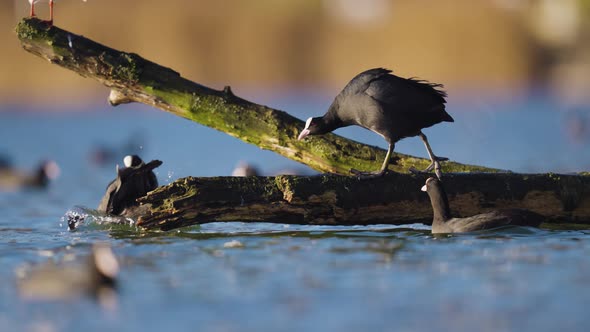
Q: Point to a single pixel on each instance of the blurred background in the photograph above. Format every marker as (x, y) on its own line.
(517, 73)
(505, 48)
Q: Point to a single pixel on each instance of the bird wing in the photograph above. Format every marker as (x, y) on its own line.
(421, 101)
(478, 222)
(406, 93)
(386, 88)
(106, 203)
(361, 82)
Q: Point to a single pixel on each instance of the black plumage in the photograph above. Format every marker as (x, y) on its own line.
(132, 182)
(391, 106)
(443, 222)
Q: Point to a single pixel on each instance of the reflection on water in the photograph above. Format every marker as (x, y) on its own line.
(288, 277)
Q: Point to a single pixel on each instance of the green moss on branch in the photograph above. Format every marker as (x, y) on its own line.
(136, 79)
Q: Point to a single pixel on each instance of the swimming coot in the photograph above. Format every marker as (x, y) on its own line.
(96, 276)
(132, 182)
(245, 169)
(12, 179)
(442, 221)
(391, 106)
(5, 162)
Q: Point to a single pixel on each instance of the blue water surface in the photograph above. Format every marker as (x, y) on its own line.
(290, 278)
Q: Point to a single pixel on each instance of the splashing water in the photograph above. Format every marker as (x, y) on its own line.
(81, 216)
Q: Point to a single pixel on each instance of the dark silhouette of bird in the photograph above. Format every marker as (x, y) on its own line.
(12, 179)
(132, 182)
(95, 276)
(245, 169)
(5, 162)
(391, 106)
(443, 222)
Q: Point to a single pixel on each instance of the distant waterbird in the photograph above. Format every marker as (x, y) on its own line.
(94, 276)
(245, 169)
(391, 106)
(12, 179)
(33, 2)
(5, 162)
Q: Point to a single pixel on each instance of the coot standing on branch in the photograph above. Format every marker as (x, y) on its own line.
(442, 222)
(391, 106)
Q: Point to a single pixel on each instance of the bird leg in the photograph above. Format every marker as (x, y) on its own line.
(50, 12)
(33, 9)
(375, 174)
(434, 160)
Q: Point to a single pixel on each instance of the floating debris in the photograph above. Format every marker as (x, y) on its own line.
(233, 244)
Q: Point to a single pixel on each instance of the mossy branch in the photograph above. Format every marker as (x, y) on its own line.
(337, 200)
(132, 78)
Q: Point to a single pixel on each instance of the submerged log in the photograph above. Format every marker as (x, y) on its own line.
(132, 78)
(337, 200)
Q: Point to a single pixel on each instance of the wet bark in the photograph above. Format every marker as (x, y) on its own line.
(337, 200)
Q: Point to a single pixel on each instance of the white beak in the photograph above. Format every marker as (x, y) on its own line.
(423, 188)
(303, 134)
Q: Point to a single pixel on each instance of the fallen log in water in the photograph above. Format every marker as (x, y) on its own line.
(337, 200)
(329, 200)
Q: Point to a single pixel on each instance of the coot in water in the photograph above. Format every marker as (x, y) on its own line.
(132, 182)
(391, 106)
(245, 169)
(14, 179)
(96, 276)
(5, 162)
(442, 221)
(134, 162)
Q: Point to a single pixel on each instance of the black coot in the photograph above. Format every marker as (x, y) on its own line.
(132, 182)
(97, 276)
(14, 179)
(391, 106)
(442, 222)
(245, 169)
(5, 162)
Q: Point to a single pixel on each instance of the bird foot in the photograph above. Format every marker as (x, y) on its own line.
(48, 22)
(433, 165)
(367, 175)
(437, 171)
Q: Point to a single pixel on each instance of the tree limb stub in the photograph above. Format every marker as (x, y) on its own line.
(337, 200)
(132, 78)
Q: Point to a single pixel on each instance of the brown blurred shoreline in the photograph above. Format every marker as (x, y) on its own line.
(302, 45)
